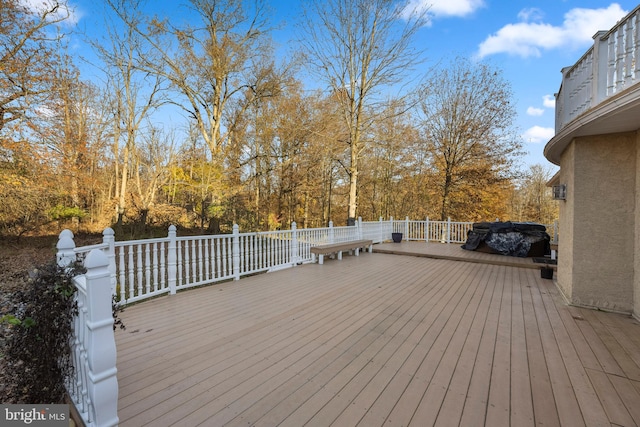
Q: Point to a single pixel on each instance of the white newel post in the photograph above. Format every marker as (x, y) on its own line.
(426, 230)
(392, 226)
(236, 252)
(331, 233)
(66, 254)
(359, 223)
(101, 350)
(449, 230)
(294, 244)
(172, 260)
(109, 238)
(406, 228)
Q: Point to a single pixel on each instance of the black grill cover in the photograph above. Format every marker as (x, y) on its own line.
(521, 239)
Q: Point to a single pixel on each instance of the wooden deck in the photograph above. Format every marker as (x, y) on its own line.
(379, 339)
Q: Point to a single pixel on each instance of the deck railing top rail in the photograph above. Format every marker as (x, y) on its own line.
(610, 66)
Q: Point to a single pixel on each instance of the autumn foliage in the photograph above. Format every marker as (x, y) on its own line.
(200, 127)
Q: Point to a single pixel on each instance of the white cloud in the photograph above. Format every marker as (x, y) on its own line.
(444, 8)
(538, 134)
(529, 38)
(531, 14)
(533, 111)
(548, 101)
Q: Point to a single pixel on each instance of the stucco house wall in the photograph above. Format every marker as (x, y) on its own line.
(597, 146)
(598, 222)
(636, 280)
(565, 224)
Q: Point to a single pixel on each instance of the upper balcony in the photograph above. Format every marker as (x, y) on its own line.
(600, 94)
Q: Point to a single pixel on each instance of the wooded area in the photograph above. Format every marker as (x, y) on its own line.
(202, 125)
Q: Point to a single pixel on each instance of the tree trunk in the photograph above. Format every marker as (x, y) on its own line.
(353, 186)
(444, 212)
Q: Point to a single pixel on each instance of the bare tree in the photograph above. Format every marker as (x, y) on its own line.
(359, 47)
(135, 95)
(152, 159)
(390, 174)
(210, 62)
(70, 128)
(468, 128)
(532, 199)
(27, 54)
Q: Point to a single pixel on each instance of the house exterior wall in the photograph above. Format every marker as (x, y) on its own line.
(597, 246)
(636, 280)
(565, 224)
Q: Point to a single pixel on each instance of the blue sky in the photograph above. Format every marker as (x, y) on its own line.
(531, 41)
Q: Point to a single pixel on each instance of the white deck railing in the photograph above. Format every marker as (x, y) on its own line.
(93, 386)
(445, 231)
(140, 269)
(433, 231)
(611, 65)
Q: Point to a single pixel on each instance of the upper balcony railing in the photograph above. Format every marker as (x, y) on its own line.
(610, 66)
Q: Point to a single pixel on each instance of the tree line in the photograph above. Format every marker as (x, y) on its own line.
(201, 124)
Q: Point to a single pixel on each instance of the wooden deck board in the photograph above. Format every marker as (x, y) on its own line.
(436, 392)
(435, 344)
(544, 404)
(421, 340)
(385, 366)
(628, 394)
(241, 366)
(378, 340)
(456, 391)
(498, 407)
(612, 404)
(369, 358)
(435, 370)
(476, 401)
(591, 408)
(629, 368)
(521, 395)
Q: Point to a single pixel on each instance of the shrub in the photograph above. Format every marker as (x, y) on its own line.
(60, 212)
(38, 348)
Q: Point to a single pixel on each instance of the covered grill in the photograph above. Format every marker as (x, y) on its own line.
(521, 239)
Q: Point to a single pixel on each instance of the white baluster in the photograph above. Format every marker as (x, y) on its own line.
(236, 252)
(123, 282)
(155, 267)
(147, 267)
(172, 260)
(139, 269)
(295, 256)
(130, 269)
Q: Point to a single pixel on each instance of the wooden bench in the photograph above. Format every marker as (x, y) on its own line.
(333, 248)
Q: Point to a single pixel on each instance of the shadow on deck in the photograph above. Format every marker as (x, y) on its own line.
(379, 339)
